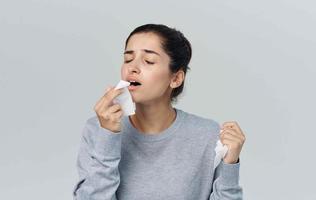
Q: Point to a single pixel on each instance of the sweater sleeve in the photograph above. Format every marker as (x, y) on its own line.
(225, 184)
(97, 163)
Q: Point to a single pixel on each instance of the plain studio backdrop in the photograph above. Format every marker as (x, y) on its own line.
(253, 62)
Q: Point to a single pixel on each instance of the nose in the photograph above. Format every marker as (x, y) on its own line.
(133, 68)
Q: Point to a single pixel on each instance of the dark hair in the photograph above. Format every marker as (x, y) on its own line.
(177, 47)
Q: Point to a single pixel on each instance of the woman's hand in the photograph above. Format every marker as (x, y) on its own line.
(232, 136)
(109, 114)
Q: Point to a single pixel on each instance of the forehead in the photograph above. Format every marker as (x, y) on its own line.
(140, 41)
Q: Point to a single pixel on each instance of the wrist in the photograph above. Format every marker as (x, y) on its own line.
(230, 161)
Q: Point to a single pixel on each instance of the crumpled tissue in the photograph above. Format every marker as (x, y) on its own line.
(220, 151)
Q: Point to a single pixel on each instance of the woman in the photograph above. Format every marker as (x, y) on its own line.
(161, 152)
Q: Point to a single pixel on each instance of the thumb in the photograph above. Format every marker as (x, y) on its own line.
(108, 88)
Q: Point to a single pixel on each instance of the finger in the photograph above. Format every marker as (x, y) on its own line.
(110, 111)
(235, 141)
(108, 88)
(113, 93)
(102, 99)
(116, 117)
(232, 125)
(99, 103)
(114, 108)
(108, 98)
(105, 115)
(227, 125)
(232, 143)
(227, 141)
(227, 135)
(233, 132)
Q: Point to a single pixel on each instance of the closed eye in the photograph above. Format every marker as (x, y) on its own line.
(150, 63)
(127, 61)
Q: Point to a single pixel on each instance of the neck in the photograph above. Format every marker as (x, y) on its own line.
(152, 119)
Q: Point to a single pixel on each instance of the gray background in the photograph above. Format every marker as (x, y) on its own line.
(253, 62)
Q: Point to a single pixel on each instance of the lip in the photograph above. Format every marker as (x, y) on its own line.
(131, 78)
(133, 87)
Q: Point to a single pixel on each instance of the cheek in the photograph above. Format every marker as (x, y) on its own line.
(123, 71)
(160, 80)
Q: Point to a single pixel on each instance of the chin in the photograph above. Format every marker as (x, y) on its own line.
(143, 99)
(135, 99)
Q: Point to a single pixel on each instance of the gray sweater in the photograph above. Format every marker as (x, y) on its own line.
(176, 164)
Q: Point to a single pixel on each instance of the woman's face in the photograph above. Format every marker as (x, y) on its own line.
(146, 62)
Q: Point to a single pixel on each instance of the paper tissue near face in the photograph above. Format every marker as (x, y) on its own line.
(125, 99)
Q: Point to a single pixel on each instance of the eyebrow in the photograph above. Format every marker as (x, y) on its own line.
(146, 51)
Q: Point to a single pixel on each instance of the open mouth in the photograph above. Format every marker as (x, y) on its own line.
(135, 83)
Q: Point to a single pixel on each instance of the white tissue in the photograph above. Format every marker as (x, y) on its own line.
(125, 99)
(220, 151)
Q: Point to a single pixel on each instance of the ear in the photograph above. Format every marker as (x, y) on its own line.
(177, 79)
